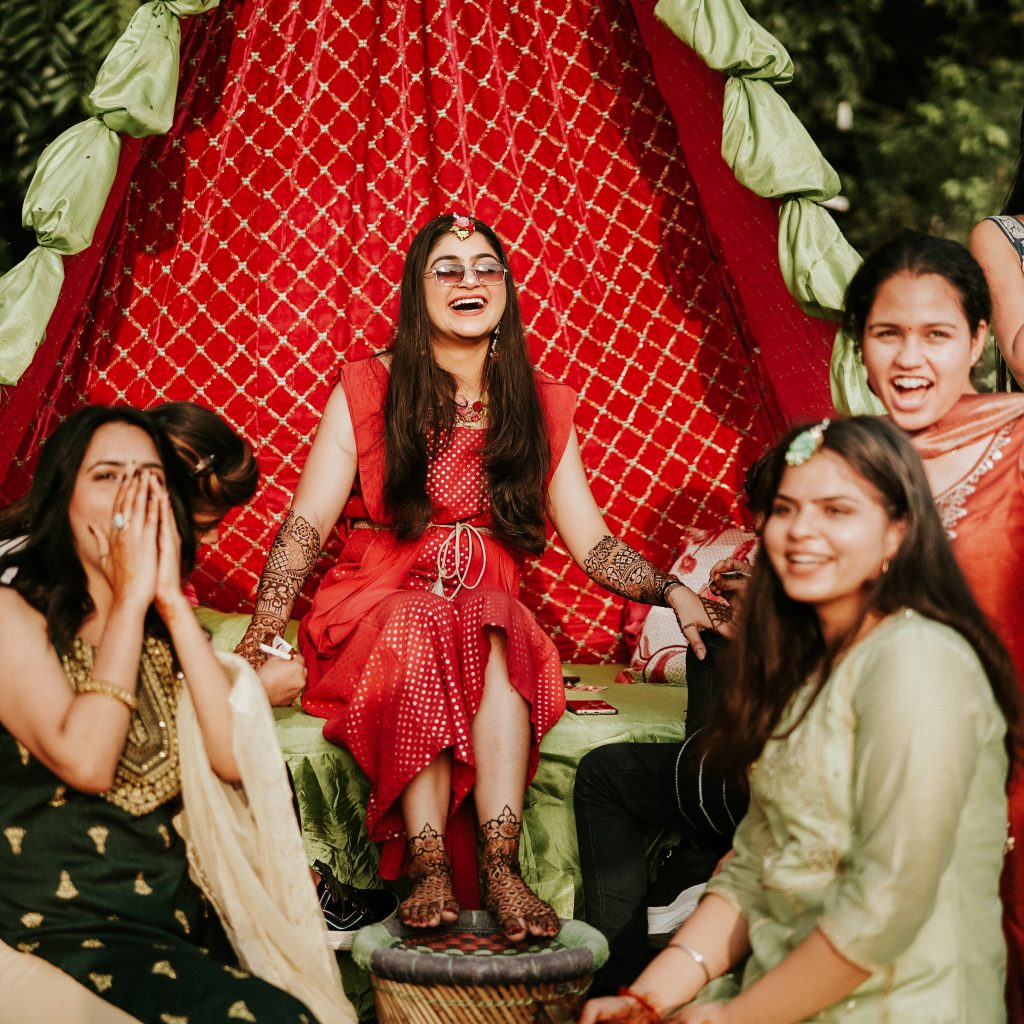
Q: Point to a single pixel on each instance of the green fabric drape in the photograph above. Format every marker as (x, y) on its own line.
(768, 148)
(727, 39)
(134, 94)
(827, 261)
(28, 296)
(771, 153)
(847, 377)
(66, 196)
(136, 85)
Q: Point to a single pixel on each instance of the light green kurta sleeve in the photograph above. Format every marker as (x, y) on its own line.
(923, 712)
(740, 880)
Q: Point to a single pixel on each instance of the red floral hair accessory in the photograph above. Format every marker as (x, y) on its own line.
(462, 226)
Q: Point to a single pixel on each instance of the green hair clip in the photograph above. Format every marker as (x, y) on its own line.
(806, 443)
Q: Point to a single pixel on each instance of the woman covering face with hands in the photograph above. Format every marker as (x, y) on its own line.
(93, 874)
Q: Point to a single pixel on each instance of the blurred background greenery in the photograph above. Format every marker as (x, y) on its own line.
(50, 51)
(916, 103)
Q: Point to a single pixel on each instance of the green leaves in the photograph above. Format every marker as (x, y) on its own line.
(936, 88)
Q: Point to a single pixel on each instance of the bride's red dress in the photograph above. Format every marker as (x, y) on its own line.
(396, 669)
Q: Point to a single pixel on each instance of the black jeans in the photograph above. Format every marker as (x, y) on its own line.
(623, 792)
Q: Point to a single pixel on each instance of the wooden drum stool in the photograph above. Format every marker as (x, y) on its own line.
(469, 973)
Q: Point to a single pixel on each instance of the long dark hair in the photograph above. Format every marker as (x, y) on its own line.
(914, 252)
(780, 644)
(1014, 204)
(221, 469)
(49, 572)
(419, 413)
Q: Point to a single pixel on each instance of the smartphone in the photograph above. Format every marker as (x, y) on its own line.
(591, 707)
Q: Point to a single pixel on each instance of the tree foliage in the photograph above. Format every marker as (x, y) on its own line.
(936, 89)
(49, 54)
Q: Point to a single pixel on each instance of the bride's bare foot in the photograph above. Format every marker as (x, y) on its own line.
(431, 901)
(506, 895)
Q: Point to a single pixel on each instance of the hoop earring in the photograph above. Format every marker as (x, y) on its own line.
(493, 350)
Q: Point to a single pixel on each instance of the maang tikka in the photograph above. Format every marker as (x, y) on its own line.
(806, 443)
(462, 226)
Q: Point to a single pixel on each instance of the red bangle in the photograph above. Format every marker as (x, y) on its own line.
(644, 1003)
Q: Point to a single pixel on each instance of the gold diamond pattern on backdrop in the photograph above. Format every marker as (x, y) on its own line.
(263, 243)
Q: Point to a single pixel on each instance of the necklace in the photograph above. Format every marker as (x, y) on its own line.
(472, 412)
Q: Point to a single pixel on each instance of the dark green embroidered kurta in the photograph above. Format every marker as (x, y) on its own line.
(104, 893)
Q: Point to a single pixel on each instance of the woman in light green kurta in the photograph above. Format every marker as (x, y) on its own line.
(871, 701)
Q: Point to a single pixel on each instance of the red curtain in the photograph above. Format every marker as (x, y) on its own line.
(251, 251)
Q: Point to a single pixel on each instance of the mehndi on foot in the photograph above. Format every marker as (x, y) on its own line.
(431, 900)
(506, 895)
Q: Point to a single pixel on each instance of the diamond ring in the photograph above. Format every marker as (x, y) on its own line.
(120, 521)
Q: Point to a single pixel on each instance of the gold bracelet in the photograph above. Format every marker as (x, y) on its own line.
(697, 958)
(110, 690)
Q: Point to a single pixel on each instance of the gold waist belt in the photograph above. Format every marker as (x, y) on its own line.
(369, 524)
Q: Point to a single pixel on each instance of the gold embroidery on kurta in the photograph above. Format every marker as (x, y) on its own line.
(172, 1018)
(23, 753)
(27, 947)
(14, 837)
(235, 972)
(57, 800)
(92, 944)
(148, 774)
(142, 887)
(239, 1011)
(33, 919)
(165, 835)
(164, 967)
(183, 921)
(98, 834)
(101, 981)
(66, 890)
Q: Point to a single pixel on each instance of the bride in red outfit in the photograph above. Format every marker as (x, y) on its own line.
(447, 454)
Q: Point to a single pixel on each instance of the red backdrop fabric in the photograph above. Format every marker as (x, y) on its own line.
(247, 254)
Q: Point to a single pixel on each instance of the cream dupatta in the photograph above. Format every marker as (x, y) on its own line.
(246, 853)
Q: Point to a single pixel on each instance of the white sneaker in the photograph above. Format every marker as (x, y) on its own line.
(662, 920)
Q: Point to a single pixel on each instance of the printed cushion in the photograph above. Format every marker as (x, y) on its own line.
(660, 653)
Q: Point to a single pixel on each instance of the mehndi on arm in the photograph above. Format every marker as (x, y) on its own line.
(624, 571)
(292, 558)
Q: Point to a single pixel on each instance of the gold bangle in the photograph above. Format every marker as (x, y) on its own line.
(697, 958)
(101, 686)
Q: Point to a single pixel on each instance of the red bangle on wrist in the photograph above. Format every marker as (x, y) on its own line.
(646, 1005)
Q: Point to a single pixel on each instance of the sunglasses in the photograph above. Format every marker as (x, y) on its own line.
(447, 274)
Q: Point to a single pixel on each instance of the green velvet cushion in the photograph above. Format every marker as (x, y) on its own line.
(333, 791)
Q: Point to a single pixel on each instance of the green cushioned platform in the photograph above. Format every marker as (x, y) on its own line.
(333, 790)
